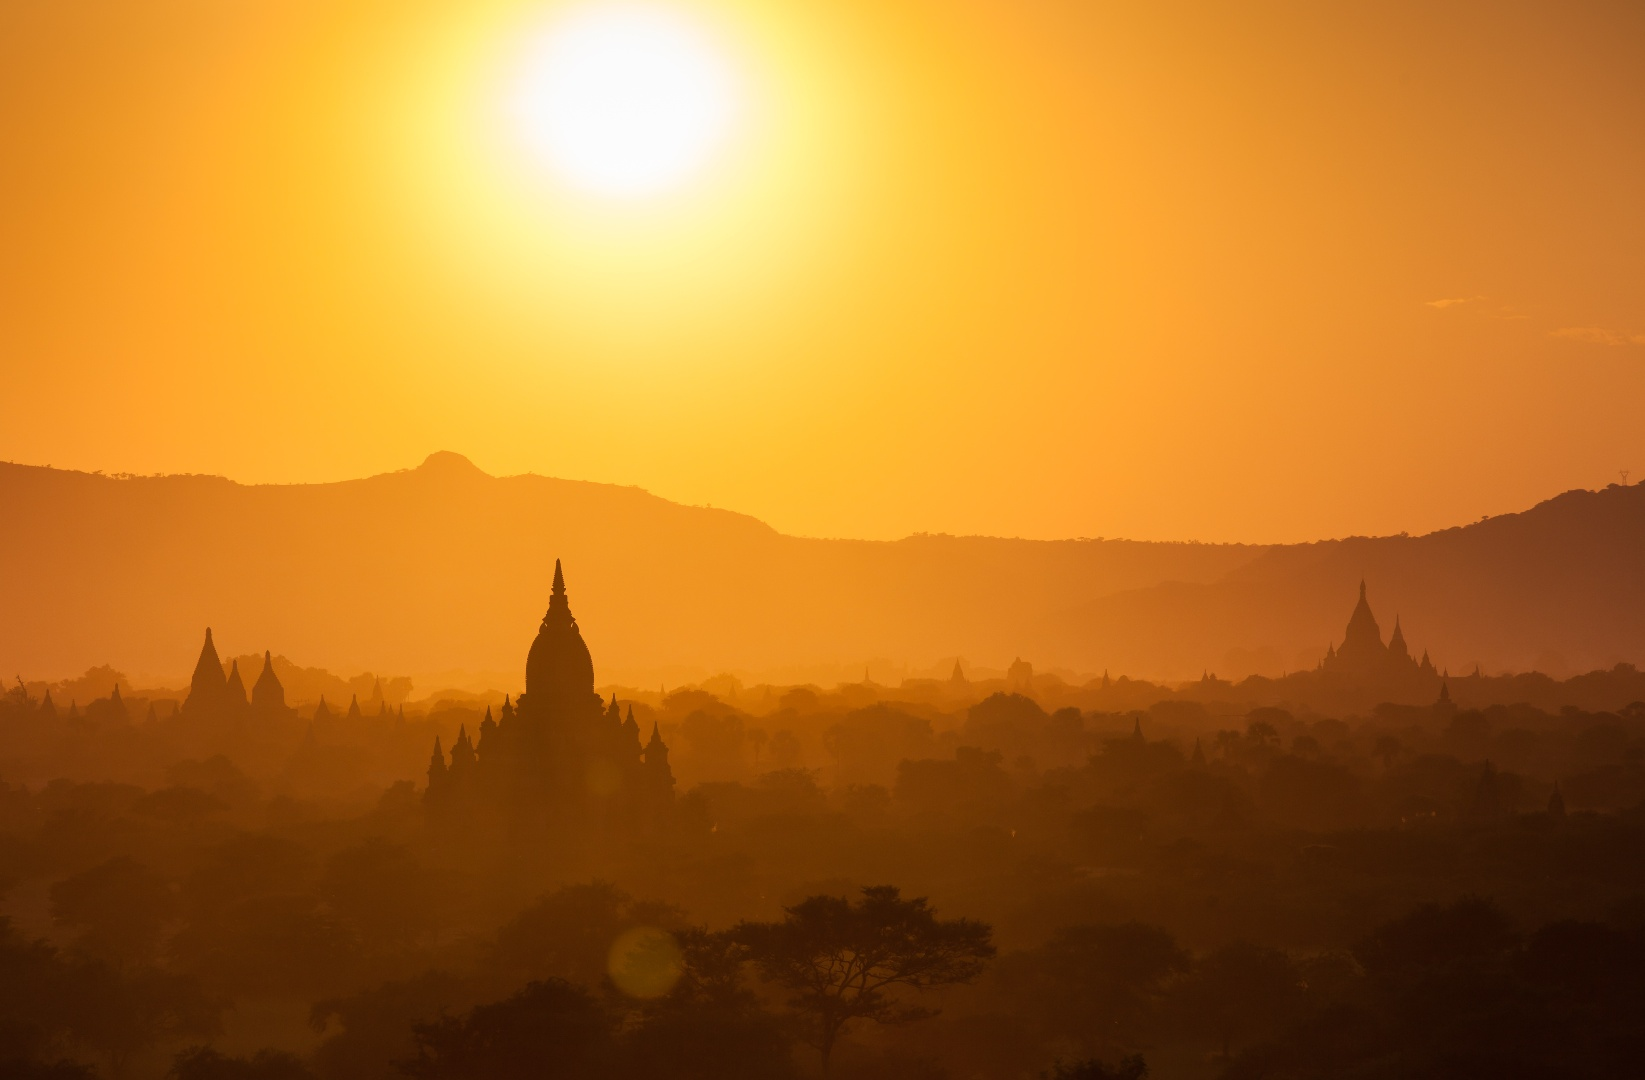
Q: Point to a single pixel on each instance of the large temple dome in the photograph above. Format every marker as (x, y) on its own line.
(559, 670)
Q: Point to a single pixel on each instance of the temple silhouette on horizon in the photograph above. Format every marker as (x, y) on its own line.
(213, 695)
(557, 752)
(1364, 657)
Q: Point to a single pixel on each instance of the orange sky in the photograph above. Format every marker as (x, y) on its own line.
(1032, 267)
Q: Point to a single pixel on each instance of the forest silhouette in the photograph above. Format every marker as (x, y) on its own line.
(1001, 876)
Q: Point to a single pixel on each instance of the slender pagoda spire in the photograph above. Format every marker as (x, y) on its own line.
(234, 691)
(436, 766)
(208, 690)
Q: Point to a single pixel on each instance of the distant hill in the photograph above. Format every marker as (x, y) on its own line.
(443, 567)
(1558, 588)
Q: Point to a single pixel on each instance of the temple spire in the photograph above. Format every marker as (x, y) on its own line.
(436, 766)
(234, 690)
(208, 689)
(1397, 648)
(559, 673)
(559, 604)
(267, 695)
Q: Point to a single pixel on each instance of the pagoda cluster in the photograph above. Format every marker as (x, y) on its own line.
(1363, 657)
(558, 753)
(213, 695)
(619, 773)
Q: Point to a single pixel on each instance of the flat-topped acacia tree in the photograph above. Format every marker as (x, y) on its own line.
(845, 959)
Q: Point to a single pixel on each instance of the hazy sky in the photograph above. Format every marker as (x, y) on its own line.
(1032, 267)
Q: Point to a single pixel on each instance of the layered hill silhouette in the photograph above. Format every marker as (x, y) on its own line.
(444, 567)
(1558, 588)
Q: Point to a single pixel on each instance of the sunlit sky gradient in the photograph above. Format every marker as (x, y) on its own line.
(1031, 267)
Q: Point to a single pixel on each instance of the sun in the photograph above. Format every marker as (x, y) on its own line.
(625, 100)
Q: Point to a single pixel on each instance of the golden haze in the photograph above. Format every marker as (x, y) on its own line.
(1043, 269)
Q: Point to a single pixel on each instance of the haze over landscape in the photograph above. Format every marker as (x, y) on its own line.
(436, 571)
(823, 540)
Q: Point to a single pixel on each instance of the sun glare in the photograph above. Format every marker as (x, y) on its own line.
(625, 100)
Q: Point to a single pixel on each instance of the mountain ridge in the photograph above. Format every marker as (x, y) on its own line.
(443, 566)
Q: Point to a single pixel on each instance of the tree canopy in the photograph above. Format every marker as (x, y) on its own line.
(845, 960)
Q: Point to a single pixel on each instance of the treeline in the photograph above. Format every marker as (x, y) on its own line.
(1443, 991)
(1273, 894)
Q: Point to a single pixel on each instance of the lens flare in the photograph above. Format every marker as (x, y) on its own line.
(645, 962)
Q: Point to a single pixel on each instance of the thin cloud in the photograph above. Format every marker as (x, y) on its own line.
(1451, 301)
(1597, 335)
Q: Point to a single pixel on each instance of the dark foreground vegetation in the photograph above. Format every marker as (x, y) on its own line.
(1176, 891)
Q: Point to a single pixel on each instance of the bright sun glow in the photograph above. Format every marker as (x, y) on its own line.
(625, 100)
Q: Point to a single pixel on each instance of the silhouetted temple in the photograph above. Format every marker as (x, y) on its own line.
(557, 750)
(1364, 657)
(214, 696)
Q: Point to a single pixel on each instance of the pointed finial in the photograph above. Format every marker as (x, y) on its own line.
(1362, 588)
(559, 579)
